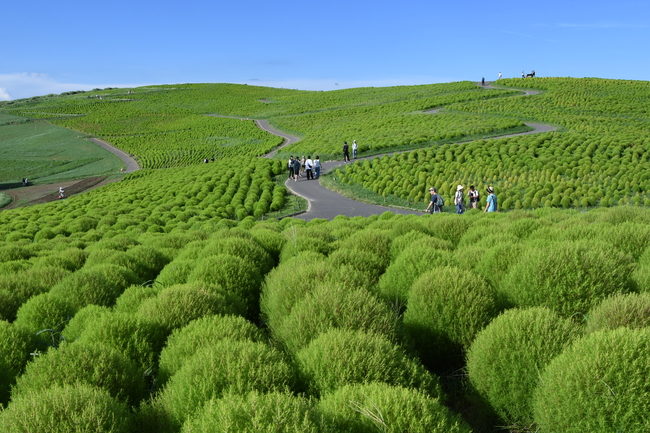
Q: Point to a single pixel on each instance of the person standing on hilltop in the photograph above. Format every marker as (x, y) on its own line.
(500, 75)
(346, 152)
(355, 147)
(483, 81)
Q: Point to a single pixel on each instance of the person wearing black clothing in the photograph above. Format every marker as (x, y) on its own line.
(346, 152)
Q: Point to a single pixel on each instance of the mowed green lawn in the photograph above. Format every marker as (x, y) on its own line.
(45, 153)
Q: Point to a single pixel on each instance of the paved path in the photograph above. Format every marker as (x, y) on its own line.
(325, 203)
(131, 164)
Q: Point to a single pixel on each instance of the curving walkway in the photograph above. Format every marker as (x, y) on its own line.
(327, 204)
(131, 164)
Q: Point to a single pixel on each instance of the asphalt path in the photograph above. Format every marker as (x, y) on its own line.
(131, 164)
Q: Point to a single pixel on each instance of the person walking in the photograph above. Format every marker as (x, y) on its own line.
(483, 81)
(491, 205)
(296, 169)
(290, 167)
(317, 167)
(309, 165)
(346, 152)
(302, 165)
(500, 75)
(434, 203)
(459, 200)
(355, 147)
(473, 197)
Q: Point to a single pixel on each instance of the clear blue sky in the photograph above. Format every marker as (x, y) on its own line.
(52, 47)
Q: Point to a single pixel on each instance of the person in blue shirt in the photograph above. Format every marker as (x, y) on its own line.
(491, 205)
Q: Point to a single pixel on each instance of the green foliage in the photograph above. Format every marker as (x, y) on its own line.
(131, 298)
(256, 412)
(331, 306)
(78, 324)
(630, 310)
(184, 342)
(176, 306)
(137, 338)
(243, 247)
(66, 409)
(342, 357)
(99, 285)
(45, 311)
(84, 363)
(447, 308)
(383, 407)
(600, 383)
(224, 367)
(568, 277)
(234, 274)
(394, 285)
(16, 344)
(505, 360)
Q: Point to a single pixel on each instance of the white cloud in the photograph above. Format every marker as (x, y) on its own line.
(28, 84)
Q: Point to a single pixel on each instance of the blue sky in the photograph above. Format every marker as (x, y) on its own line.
(53, 47)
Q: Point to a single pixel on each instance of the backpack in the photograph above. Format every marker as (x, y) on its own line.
(440, 201)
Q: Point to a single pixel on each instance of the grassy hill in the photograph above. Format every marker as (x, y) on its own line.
(164, 303)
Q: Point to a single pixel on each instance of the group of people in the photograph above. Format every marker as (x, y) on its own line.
(436, 203)
(299, 167)
(346, 150)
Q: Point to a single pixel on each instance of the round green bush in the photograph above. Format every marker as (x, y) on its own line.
(256, 412)
(404, 241)
(183, 343)
(271, 240)
(307, 238)
(131, 298)
(7, 380)
(568, 277)
(99, 285)
(373, 241)
(631, 310)
(224, 367)
(641, 275)
(447, 308)
(395, 283)
(382, 407)
(70, 259)
(505, 360)
(341, 357)
(601, 383)
(16, 344)
(176, 306)
(245, 248)
(88, 363)
(138, 338)
(497, 261)
(367, 263)
(176, 272)
(67, 409)
(234, 275)
(80, 321)
(334, 306)
(45, 311)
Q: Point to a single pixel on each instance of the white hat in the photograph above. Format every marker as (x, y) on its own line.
(459, 187)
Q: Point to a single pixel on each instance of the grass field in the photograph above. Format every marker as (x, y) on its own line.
(45, 153)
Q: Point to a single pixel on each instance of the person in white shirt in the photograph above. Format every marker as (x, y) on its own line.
(355, 147)
(309, 165)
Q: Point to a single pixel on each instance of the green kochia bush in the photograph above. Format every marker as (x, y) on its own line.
(66, 409)
(81, 320)
(176, 306)
(568, 277)
(334, 306)
(224, 367)
(183, 343)
(505, 360)
(45, 311)
(447, 308)
(341, 357)
(246, 248)
(414, 261)
(382, 407)
(631, 310)
(233, 274)
(176, 272)
(138, 338)
(256, 412)
(16, 344)
(599, 384)
(88, 363)
(99, 285)
(131, 298)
